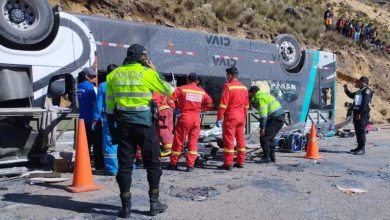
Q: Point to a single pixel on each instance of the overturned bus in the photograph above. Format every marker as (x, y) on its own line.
(42, 50)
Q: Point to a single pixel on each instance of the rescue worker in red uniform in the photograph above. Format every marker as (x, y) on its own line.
(191, 100)
(232, 109)
(165, 123)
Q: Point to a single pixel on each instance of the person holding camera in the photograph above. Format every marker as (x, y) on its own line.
(361, 112)
(130, 114)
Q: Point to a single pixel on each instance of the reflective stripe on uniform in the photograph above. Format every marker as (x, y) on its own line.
(167, 146)
(271, 103)
(241, 149)
(193, 91)
(227, 150)
(129, 83)
(222, 106)
(114, 156)
(237, 87)
(278, 108)
(135, 108)
(164, 107)
(192, 152)
(176, 153)
(133, 94)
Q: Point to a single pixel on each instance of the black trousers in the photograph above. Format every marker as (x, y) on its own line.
(360, 130)
(94, 138)
(131, 135)
(272, 128)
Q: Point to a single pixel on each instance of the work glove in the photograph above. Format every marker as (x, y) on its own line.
(113, 130)
(218, 123)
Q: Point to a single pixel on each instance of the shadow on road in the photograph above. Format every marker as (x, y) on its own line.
(66, 203)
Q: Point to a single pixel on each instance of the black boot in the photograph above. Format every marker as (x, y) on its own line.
(126, 205)
(272, 155)
(156, 206)
(354, 150)
(266, 156)
(360, 152)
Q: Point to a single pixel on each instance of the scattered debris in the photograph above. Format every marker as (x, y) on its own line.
(14, 171)
(234, 186)
(45, 175)
(3, 188)
(46, 180)
(351, 191)
(195, 194)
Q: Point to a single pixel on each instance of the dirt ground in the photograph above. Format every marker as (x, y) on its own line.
(293, 188)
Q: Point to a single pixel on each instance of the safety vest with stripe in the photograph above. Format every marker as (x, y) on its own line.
(130, 88)
(267, 105)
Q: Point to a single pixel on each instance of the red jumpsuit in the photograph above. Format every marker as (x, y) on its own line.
(232, 109)
(165, 121)
(190, 99)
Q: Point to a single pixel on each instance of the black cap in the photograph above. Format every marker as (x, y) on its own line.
(254, 89)
(193, 77)
(136, 49)
(111, 67)
(364, 79)
(232, 70)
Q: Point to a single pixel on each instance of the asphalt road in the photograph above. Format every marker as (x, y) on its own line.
(293, 188)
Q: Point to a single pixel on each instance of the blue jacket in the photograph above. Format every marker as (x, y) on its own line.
(100, 102)
(86, 97)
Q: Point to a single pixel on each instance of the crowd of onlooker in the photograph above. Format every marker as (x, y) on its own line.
(356, 30)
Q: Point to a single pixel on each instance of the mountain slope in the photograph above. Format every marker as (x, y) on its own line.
(263, 20)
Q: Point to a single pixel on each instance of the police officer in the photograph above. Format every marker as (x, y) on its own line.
(271, 121)
(129, 106)
(361, 112)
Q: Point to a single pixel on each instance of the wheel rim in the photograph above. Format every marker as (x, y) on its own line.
(20, 14)
(288, 52)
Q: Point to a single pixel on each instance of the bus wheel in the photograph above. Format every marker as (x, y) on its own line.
(25, 22)
(289, 51)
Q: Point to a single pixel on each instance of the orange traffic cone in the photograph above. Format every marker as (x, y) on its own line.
(82, 175)
(312, 146)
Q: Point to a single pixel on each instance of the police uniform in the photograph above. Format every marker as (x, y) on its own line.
(129, 105)
(271, 120)
(361, 114)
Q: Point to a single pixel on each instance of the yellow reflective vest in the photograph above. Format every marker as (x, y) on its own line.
(267, 105)
(130, 88)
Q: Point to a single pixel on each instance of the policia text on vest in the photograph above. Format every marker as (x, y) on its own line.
(129, 111)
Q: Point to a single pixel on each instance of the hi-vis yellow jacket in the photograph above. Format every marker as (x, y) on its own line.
(130, 88)
(267, 105)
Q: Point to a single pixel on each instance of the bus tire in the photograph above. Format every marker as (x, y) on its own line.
(25, 22)
(289, 51)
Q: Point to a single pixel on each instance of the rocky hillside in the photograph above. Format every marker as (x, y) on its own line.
(262, 20)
